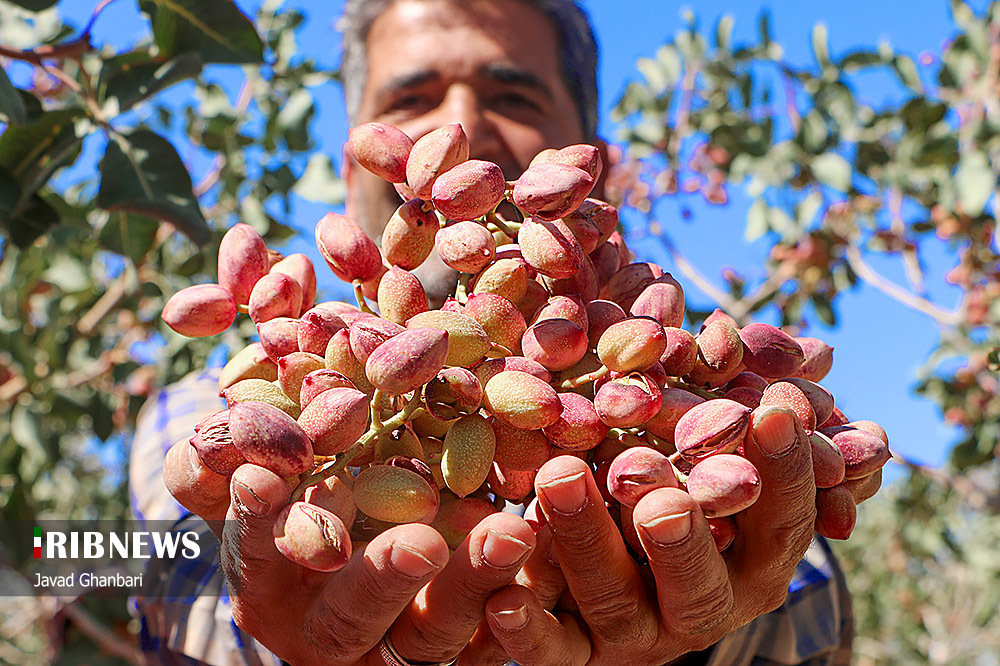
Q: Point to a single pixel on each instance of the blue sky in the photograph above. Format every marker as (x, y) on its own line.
(881, 344)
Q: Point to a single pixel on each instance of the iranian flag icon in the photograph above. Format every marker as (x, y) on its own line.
(38, 542)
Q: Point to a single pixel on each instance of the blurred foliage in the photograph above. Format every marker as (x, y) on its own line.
(929, 593)
(120, 169)
(838, 185)
(837, 182)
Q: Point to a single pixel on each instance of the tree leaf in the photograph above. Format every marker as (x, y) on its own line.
(128, 234)
(821, 45)
(824, 309)
(724, 32)
(11, 103)
(757, 224)
(142, 173)
(320, 183)
(133, 77)
(214, 29)
(907, 72)
(833, 170)
(34, 218)
(975, 182)
(40, 145)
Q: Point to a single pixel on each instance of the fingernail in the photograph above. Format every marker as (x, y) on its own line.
(502, 550)
(775, 432)
(410, 562)
(511, 619)
(668, 529)
(248, 499)
(566, 495)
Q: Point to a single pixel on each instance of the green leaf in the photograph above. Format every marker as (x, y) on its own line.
(757, 224)
(11, 103)
(39, 146)
(23, 226)
(856, 60)
(214, 29)
(320, 183)
(34, 5)
(764, 27)
(132, 77)
(127, 234)
(906, 69)
(724, 32)
(821, 45)
(142, 173)
(975, 182)
(824, 309)
(833, 170)
(69, 273)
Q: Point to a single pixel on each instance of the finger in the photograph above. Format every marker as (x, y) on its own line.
(360, 602)
(483, 649)
(774, 532)
(598, 569)
(198, 489)
(692, 580)
(541, 572)
(250, 560)
(445, 614)
(532, 635)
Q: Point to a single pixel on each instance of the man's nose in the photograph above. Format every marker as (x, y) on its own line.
(462, 105)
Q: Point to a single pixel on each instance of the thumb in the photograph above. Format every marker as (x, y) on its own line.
(249, 557)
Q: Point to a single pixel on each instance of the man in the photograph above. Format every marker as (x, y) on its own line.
(519, 76)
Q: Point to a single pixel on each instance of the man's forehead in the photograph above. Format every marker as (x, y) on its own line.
(503, 39)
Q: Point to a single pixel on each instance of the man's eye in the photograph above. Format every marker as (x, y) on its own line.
(408, 103)
(515, 101)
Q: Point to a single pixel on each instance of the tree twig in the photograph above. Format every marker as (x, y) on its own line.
(894, 291)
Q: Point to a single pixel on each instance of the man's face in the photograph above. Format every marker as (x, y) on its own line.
(491, 65)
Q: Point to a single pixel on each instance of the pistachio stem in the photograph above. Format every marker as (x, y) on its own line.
(574, 382)
(657, 443)
(331, 465)
(691, 388)
(360, 297)
(498, 351)
(376, 407)
(682, 478)
(462, 288)
(509, 229)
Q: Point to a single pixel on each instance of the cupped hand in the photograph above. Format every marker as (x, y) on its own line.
(697, 595)
(403, 579)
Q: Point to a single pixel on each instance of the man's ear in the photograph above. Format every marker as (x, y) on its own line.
(602, 148)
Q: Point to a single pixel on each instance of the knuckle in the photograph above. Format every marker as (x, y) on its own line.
(791, 539)
(702, 616)
(433, 641)
(614, 616)
(325, 632)
(577, 542)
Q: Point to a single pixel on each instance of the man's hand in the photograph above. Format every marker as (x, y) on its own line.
(699, 594)
(403, 578)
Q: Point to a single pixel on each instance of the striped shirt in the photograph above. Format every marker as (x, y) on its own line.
(189, 619)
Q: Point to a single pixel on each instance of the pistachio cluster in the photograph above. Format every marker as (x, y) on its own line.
(555, 343)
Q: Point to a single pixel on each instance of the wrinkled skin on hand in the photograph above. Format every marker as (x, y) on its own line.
(403, 579)
(689, 595)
